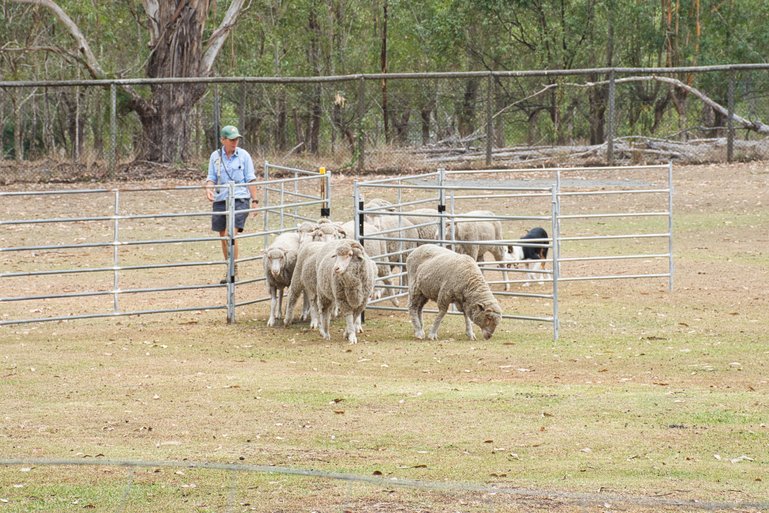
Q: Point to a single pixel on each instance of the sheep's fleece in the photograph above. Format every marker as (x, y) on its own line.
(345, 280)
(439, 274)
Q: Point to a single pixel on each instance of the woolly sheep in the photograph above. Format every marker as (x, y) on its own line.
(306, 229)
(374, 249)
(345, 281)
(428, 232)
(304, 283)
(480, 230)
(279, 262)
(439, 274)
(327, 230)
(394, 227)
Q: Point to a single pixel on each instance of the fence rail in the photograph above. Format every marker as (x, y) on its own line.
(583, 244)
(340, 119)
(308, 186)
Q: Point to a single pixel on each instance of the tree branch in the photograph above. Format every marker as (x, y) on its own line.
(85, 55)
(219, 36)
(756, 126)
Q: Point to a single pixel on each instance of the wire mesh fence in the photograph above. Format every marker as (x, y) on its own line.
(402, 122)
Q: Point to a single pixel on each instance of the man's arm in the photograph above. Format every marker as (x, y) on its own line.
(252, 190)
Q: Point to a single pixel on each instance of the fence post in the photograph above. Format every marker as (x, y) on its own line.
(231, 253)
(670, 227)
(554, 244)
(361, 113)
(729, 121)
(489, 117)
(115, 254)
(112, 159)
(610, 121)
(442, 205)
(325, 211)
(266, 204)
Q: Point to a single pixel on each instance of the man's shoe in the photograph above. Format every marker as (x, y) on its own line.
(231, 279)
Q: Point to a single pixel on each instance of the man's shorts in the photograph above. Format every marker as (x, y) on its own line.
(219, 221)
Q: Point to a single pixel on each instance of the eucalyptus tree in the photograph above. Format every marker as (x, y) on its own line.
(182, 39)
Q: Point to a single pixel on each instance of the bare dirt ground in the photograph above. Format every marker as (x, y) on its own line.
(648, 394)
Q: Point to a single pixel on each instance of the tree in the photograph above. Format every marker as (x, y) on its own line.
(177, 49)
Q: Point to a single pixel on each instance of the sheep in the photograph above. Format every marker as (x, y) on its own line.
(446, 277)
(394, 227)
(327, 230)
(533, 256)
(374, 249)
(481, 230)
(345, 281)
(279, 262)
(306, 229)
(428, 232)
(303, 282)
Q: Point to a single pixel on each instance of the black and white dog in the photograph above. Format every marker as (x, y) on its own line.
(532, 256)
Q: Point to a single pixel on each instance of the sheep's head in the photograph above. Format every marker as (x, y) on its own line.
(306, 229)
(326, 232)
(344, 254)
(275, 260)
(487, 317)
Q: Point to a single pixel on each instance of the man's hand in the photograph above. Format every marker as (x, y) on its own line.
(210, 191)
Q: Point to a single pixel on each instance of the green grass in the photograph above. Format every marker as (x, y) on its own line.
(647, 393)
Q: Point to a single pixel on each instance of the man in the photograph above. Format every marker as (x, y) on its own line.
(230, 164)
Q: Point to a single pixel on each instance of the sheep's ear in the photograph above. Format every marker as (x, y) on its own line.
(480, 307)
(357, 248)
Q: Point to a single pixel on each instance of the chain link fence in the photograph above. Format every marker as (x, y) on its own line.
(53, 131)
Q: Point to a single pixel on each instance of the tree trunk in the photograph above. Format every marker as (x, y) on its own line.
(177, 50)
(597, 98)
(425, 114)
(466, 114)
(313, 135)
(383, 69)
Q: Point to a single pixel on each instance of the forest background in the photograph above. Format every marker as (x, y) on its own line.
(330, 120)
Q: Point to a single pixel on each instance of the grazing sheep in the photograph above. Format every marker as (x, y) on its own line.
(279, 262)
(374, 249)
(481, 230)
(304, 283)
(441, 275)
(532, 256)
(345, 281)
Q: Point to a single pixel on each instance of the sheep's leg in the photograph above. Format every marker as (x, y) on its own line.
(313, 314)
(324, 309)
(442, 309)
(280, 303)
(469, 326)
(290, 302)
(416, 304)
(393, 299)
(273, 304)
(306, 308)
(349, 331)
